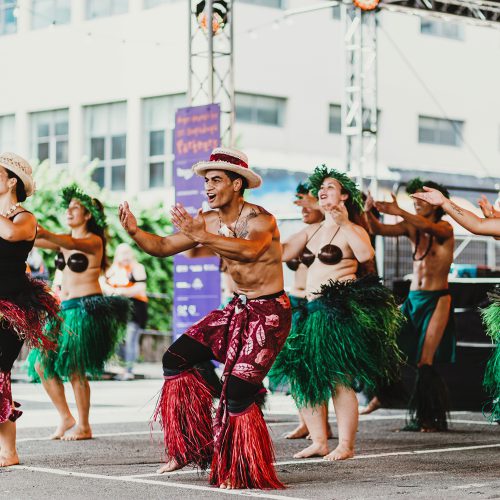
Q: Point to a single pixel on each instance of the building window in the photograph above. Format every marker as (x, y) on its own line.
(102, 8)
(8, 17)
(148, 4)
(262, 110)
(337, 12)
(49, 136)
(439, 131)
(158, 124)
(50, 12)
(277, 4)
(106, 142)
(7, 133)
(335, 119)
(442, 28)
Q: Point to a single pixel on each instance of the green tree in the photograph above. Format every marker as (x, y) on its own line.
(46, 205)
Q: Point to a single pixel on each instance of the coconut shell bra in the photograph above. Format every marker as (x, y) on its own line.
(77, 262)
(328, 255)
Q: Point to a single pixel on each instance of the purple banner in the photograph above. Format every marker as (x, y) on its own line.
(197, 289)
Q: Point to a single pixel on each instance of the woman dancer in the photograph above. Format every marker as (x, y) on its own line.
(92, 324)
(490, 226)
(347, 336)
(297, 295)
(25, 304)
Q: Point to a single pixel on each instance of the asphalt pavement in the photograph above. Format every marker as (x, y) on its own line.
(122, 459)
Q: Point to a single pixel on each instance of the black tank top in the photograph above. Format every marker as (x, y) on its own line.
(13, 256)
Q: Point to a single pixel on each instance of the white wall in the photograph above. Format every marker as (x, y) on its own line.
(63, 67)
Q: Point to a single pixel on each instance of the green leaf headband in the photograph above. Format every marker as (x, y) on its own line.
(417, 184)
(74, 191)
(321, 172)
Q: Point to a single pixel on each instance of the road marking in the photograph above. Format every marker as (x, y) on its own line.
(244, 493)
(472, 485)
(410, 474)
(357, 457)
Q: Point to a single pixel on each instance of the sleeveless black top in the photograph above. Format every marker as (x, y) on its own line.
(13, 256)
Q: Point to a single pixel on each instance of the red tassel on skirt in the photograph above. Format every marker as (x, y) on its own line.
(184, 411)
(246, 455)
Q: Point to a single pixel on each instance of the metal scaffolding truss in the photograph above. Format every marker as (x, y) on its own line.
(211, 76)
(359, 110)
(476, 11)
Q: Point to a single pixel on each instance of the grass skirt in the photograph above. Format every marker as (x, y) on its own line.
(491, 317)
(347, 336)
(92, 327)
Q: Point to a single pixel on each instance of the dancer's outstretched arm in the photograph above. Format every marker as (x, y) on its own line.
(158, 246)
(91, 244)
(475, 224)
(377, 227)
(260, 232)
(441, 229)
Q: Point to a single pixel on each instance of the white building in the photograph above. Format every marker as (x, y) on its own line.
(86, 79)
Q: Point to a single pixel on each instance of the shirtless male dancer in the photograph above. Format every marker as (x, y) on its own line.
(246, 335)
(428, 334)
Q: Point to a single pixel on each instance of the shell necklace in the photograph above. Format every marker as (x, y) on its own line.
(10, 210)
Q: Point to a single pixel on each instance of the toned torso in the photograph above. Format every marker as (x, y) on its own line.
(299, 282)
(265, 275)
(431, 273)
(320, 273)
(81, 284)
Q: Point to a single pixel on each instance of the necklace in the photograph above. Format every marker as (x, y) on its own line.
(417, 242)
(10, 210)
(224, 229)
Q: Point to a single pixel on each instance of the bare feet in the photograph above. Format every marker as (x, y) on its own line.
(6, 460)
(226, 485)
(79, 434)
(342, 452)
(300, 432)
(64, 425)
(315, 450)
(170, 466)
(429, 429)
(373, 405)
(329, 434)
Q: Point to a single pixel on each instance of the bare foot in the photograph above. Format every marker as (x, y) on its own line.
(79, 434)
(328, 436)
(64, 425)
(170, 466)
(300, 432)
(315, 450)
(227, 485)
(342, 452)
(373, 405)
(429, 429)
(6, 460)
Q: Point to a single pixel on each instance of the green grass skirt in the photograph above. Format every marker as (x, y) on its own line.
(92, 327)
(491, 317)
(347, 336)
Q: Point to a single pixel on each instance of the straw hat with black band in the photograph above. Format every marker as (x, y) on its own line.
(230, 160)
(19, 166)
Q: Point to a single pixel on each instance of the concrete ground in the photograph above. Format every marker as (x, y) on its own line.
(121, 460)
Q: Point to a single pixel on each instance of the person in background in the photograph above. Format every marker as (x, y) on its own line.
(127, 277)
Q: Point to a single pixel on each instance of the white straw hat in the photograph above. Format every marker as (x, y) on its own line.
(232, 160)
(21, 168)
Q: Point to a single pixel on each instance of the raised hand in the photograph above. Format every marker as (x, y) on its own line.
(389, 207)
(192, 227)
(430, 195)
(307, 201)
(339, 213)
(127, 218)
(486, 207)
(41, 232)
(369, 202)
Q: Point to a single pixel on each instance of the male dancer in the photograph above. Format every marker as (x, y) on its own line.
(246, 335)
(428, 334)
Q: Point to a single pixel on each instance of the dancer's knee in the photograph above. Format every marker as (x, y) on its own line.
(241, 394)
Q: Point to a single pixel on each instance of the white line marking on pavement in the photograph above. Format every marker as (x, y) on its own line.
(357, 457)
(245, 493)
(473, 485)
